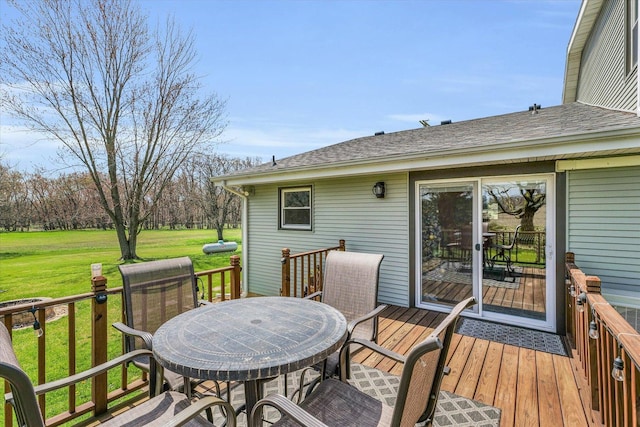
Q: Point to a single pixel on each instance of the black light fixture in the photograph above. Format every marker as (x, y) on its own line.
(594, 333)
(581, 301)
(618, 368)
(37, 330)
(378, 189)
(593, 330)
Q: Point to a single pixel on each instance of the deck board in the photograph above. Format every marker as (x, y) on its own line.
(527, 399)
(548, 398)
(488, 381)
(569, 394)
(530, 387)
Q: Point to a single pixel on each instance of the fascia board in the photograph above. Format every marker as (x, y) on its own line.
(585, 21)
(597, 163)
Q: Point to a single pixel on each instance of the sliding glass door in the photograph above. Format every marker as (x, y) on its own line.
(491, 238)
(446, 213)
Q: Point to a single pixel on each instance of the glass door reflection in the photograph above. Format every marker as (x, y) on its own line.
(446, 226)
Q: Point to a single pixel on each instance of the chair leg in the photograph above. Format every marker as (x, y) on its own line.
(509, 264)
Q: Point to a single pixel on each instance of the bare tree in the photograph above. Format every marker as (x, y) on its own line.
(218, 204)
(15, 206)
(523, 206)
(121, 99)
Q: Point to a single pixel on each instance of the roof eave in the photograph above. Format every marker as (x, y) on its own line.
(511, 151)
(589, 11)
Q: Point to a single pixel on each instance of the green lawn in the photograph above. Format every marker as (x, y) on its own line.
(56, 264)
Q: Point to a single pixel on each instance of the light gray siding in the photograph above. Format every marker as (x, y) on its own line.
(342, 209)
(603, 80)
(604, 226)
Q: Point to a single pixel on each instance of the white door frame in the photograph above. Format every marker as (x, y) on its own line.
(549, 324)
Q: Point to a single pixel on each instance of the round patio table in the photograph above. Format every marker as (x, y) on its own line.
(249, 340)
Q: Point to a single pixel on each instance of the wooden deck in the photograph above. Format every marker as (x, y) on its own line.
(532, 388)
(525, 296)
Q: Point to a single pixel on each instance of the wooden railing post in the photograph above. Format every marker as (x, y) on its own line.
(235, 276)
(343, 245)
(99, 342)
(570, 258)
(285, 290)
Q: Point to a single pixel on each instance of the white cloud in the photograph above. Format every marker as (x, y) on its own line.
(280, 141)
(26, 149)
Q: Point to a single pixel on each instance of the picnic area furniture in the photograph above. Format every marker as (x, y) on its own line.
(337, 403)
(154, 292)
(251, 340)
(167, 407)
(351, 286)
(503, 252)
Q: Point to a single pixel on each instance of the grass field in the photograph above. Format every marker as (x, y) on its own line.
(56, 264)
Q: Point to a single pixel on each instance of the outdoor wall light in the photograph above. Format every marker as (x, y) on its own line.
(378, 189)
(37, 330)
(593, 330)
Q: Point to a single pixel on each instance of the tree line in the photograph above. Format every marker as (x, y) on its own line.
(70, 201)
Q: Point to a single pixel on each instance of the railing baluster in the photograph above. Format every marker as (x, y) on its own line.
(71, 345)
(308, 271)
(8, 409)
(42, 357)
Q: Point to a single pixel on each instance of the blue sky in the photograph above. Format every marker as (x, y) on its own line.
(299, 75)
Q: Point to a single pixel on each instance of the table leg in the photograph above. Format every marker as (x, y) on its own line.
(252, 393)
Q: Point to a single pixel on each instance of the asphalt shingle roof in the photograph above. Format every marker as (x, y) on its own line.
(553, 122)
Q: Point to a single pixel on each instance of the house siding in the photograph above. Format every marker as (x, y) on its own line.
(604, 226)
(603, 80)
(342, 209)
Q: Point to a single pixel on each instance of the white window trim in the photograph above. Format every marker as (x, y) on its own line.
(305, 227)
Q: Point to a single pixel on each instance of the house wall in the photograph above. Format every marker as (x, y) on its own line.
(604, 228)
(343, 208)
(603, 80)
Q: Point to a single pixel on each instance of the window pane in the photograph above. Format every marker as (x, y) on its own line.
(296, 199)
(297, 217)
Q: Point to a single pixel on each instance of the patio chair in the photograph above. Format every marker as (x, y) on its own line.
(168, 407)
(351, 286)
(503, 252)
(337, 403)
(154, 292)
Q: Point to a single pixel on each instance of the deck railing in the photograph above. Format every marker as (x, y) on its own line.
(302, 272)
(600, 335)
(66, 352)
(529, 247)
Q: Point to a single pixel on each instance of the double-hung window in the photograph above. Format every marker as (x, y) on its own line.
(295, 208)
